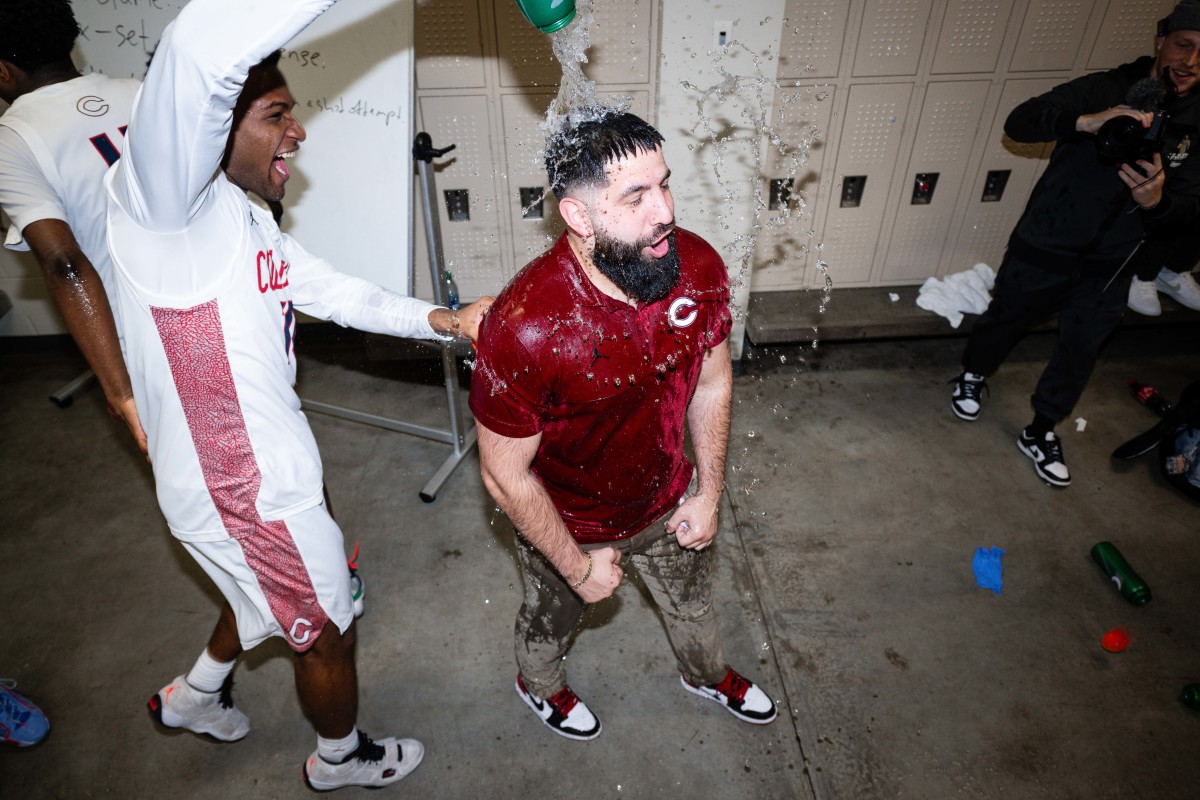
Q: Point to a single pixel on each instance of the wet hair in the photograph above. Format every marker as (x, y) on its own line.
(37, 33)
(577, 153)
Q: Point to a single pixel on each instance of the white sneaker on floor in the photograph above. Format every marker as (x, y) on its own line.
(372, 764)
(1143, 298)
(1182, 288)
(178, 705)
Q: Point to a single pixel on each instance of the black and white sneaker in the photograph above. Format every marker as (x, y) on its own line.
(1047, 455)
(965, 399)
(563, 712)
(737, 695)
(373, 765)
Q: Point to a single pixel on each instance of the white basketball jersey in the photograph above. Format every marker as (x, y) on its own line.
(56, 143)
(208, 286)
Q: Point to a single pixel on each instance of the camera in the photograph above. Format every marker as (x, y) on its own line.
(1123, 139)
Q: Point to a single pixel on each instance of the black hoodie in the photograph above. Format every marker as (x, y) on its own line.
(1081, 218)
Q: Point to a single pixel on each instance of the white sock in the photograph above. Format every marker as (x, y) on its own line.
(335, 750)
(972, 377)
(208, 674)
(1167, 275)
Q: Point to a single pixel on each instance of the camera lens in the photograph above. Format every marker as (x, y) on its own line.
(1120, 138)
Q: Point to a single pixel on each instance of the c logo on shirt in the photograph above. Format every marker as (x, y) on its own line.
(301, 630)
(92, 106)
(682, 312)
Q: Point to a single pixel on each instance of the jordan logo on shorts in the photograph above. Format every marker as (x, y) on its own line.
(301, 630)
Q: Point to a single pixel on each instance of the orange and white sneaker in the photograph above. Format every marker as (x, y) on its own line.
(178, 705)
(738, 696)
(372, 764)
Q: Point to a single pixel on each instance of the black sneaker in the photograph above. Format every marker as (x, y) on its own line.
(563, 712)
(965, 399)
(1047, 455)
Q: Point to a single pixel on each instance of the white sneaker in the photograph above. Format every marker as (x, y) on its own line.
(1182, 288)
(178, 705)
(1143, 298)
(372, 764)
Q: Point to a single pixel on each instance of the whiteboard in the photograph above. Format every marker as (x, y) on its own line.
(350, 196)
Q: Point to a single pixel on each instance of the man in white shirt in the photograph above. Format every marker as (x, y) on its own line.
(208, 287)
(60, 135)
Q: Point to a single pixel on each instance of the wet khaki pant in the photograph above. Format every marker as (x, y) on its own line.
(679, 580)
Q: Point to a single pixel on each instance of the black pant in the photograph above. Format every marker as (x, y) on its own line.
(1178, 254)
(1025, 294)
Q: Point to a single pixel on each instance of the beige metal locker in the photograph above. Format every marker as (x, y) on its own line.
(785, 250)
(814, 39)
(869, 147)
(1124, 34)
(987, 225)
(449, 48)
(469, 223)
(972, 35)
(891, 38)
(944, 140)
(1051, 35)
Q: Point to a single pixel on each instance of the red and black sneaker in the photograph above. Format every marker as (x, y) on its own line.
(739, 696)
(563, 712)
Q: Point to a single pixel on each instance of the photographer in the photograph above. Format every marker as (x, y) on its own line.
(1076, 245)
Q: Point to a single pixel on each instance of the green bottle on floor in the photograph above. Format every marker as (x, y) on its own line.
(1128, 582)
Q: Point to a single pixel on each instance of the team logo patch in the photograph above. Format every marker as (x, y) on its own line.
(301, 630)
(682, 312)
(92, 106)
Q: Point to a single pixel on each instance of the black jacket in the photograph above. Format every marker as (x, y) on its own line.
(1081, 218)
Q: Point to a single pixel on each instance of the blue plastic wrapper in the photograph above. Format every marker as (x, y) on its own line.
(988, 568)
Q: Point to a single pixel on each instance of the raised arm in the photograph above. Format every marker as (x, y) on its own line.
(504, 463)
(183, 114)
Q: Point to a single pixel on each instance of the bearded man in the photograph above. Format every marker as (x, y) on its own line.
(592, 363)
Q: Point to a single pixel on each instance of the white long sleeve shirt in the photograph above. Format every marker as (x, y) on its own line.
(208, 285)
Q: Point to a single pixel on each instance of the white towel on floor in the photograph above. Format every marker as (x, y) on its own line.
(961, 292)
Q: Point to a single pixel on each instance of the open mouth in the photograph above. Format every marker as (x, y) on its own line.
(281, 166)
(660, 248)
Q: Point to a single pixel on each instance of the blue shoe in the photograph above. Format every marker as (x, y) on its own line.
(22, 724)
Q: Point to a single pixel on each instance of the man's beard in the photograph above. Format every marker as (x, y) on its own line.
(640, 275)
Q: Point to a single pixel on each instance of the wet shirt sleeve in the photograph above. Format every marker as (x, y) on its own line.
(509, 390)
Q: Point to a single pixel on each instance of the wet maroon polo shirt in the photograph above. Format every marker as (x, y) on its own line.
(606, 384)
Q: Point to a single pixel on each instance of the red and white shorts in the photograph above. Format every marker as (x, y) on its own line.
(290, 584)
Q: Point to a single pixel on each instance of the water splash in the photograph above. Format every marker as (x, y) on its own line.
(744, 128)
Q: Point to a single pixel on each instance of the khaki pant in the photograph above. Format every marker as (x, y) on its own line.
(679, 580)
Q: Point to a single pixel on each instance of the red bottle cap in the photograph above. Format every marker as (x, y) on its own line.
(1115, 641)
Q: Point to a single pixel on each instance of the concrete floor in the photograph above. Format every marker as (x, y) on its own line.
(856, 501)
